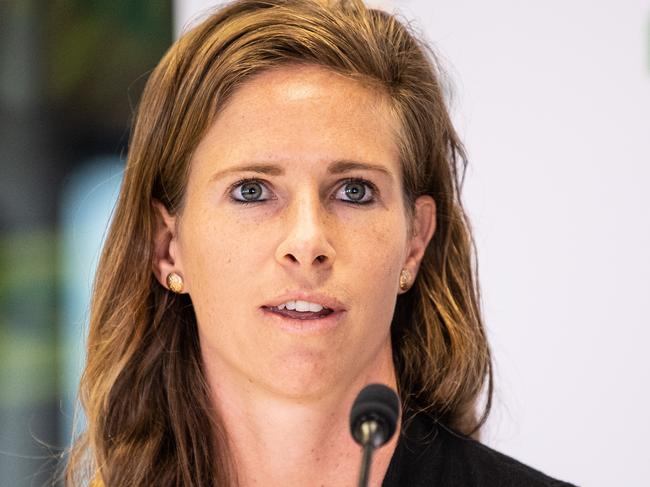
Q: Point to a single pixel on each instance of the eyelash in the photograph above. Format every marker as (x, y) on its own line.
(373, 190)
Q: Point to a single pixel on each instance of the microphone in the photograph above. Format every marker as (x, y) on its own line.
(373, 420)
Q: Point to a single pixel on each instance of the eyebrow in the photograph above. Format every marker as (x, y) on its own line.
(336, 167)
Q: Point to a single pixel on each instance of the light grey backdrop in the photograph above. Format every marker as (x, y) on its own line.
(553, 102)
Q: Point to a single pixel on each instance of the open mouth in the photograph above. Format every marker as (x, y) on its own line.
(299, 315)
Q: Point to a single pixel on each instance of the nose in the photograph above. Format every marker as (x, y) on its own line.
(305, 242)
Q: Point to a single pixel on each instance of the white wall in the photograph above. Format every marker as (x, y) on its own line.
(554, 105)
(553, 102)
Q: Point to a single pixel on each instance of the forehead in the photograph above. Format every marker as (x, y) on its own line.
(303, 115)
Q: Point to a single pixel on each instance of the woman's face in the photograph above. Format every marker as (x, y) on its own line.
(295, 194)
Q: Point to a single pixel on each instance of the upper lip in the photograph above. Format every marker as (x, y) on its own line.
(318, 298)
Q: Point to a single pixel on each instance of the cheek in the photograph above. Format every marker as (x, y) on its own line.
(382, 239)
(228, 256)
(224, 254)
(375, 255)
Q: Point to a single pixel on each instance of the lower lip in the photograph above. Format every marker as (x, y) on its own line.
(304, 326)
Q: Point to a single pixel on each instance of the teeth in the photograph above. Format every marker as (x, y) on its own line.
(301, 306)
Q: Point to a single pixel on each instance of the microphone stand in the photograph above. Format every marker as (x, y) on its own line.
(368, 430)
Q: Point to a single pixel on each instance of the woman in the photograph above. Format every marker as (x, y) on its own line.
(289, 230)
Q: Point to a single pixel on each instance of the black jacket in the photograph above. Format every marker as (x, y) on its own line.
(429, 454)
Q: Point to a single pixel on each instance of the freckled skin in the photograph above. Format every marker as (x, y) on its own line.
(236, 258)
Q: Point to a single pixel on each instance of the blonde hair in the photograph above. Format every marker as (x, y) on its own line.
(150, 420)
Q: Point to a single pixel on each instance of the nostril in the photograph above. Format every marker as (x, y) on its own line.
(320, 259)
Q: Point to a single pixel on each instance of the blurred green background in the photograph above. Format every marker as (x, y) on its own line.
(71, 74)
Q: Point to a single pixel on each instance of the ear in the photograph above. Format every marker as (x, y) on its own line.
(166, 254)
(422, 228)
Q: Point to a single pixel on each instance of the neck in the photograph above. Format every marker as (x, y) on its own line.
(277, 440)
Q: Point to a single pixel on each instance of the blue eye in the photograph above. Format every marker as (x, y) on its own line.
(249, 191)
(353, 191)
(357, 191)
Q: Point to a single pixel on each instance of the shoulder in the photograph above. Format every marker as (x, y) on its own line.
(429, 453)
(480, 465)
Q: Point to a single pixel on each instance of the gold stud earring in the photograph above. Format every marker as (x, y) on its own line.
(175, 282)
(404, 279)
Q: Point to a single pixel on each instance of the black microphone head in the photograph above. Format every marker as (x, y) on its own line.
(379, 403)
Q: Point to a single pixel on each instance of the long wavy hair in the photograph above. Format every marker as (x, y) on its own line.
(144, 393)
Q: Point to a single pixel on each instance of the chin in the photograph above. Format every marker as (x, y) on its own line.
(307, 375)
